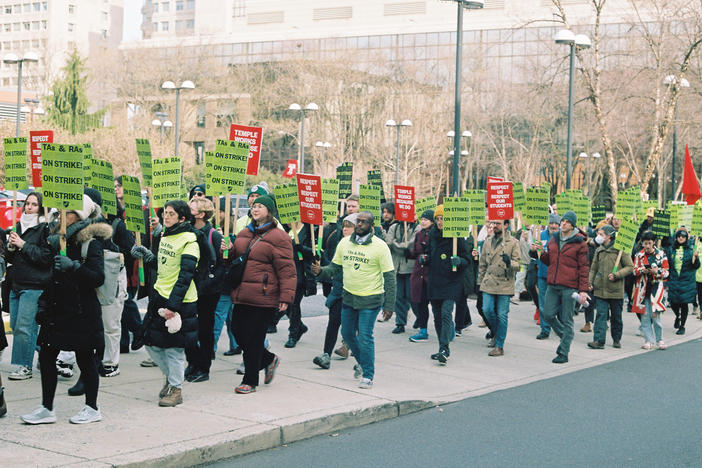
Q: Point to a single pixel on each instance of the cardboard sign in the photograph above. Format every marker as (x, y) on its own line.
(645, 205)
(563, 202)
(476, 206)
(500, 200)
(404, 203)
(166, 180)
(598, 213)
(36, 139)
(254, 137)
(581, 207)
(15, 163)
(209, 162)
(626, 236)
(536, 210)
(229, 167)
(330, 200)
(685, 213)
(309, 191)
(674, 209)
(87, 162)
(629, 203)
(376, 178)
(288, 202)
(518, 194)
(696, 229)
(344, 174)
(369, 199)
(423, 204)
(62, 176)
(661, 223)
(102, 180)
(290, 170)
(133, 214)
(145, 160)
(456, 223)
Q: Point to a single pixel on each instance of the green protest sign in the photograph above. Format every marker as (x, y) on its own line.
(661, 223)
(228, 172)
(210, 187)
(696, 229)
(518, 194)
(288, 203)
(598, 213)
(133, 214)
(145, 160)
(536, 206)
(423, 204)
(330, 200)
(476, 206)
(376, 178)
(673, 209)
(626, 236)
(685, 213)
(87, 162)
(166, 180)
(581, 207)
(102, 180)
(645, 205)
(62, 176)
(456, 222)
(15, 163)
(369, 200)
(563, 202)
(344, 174)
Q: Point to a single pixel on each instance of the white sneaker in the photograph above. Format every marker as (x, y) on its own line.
(64, 369)
(21, 373)
(40, 415)
(365, 383)
(86, 415)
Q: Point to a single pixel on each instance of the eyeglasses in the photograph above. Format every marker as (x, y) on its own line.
(363, 221)
(199, 194)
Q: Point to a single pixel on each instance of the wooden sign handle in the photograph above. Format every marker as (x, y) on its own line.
(455, 250)
(14, 211)
(320, 238)
(312, 235)
(62, 232)
(216, 211)
(616, 264)
(227, 217)
(137, 241)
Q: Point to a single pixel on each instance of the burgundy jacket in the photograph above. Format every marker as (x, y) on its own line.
(269, 277)
(420, 274)
(569, 266)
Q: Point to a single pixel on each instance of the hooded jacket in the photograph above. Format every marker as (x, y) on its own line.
(444, 283)
(31, 265)
(400, 246)
(493, 275)
(603, 263)
(650, 286)
(681, 284)
(567, 266)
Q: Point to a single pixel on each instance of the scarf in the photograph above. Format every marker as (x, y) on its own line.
(28, 221)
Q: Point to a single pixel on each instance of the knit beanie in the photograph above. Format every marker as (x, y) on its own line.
(259, 189)
(268, 202)
(89, 206)
(571, 218)
(439, 211)
(428, 214)
(94, 195)
(554, 218)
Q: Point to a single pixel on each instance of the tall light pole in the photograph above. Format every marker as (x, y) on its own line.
(589, 174)
(324, 145)
(670, 81)
(161, 122)
(468, 5)
(169, 85)
(32, 108)
(10, 59)
(311, 107)
(392, 123)
(581, 41)
(452, 135)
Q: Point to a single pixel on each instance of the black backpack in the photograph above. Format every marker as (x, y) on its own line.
(206, 278)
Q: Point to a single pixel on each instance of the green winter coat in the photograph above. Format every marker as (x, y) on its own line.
(602, 265)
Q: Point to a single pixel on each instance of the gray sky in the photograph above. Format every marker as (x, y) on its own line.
(132, 20)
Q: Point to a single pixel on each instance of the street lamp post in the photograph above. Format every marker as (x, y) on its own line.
(452, 135)
(169, 85)
(392, 123)
(311, 107)
(9, 59)
(32, 108)
(161, 122)
(672, 80)
(581, 41)
(468, 5)
(324, 145)
(589, 174)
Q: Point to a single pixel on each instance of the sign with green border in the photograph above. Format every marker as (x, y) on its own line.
(166, 180)
(145, 160)
(15, 163)
(133, 214)
(344, 174)
(288, 202)
(456, 219)
(102, 180)
(330, 200)
(369, 200)
(62, 176)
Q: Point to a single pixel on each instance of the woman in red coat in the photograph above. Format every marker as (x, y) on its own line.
(268, 285)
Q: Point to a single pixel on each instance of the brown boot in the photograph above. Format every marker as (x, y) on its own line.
(587, 328)
(497, 352)
(342, 351)
(172, 397)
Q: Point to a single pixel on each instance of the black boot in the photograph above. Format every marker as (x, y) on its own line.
(78, 389)
(3, 404)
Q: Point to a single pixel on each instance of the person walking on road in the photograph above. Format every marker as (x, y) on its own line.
(419, 278)
(554, 222)
(399, 243)
(683, 262)
(651, 271)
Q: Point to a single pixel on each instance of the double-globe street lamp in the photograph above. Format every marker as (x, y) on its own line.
(169, 85)
(398, 126)
(32, 107)
(672, 81)
(295, 107)
(161, 122)
(10, 59)
(580, 41)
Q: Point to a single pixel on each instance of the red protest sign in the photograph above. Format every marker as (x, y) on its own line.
(35, 141)
(254, 137)
(309, 191)
(500, 200)
(404, 203)
(291, 169)
(494, 179)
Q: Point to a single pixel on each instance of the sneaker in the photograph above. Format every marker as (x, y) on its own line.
(109, 371)
(303, 330)
(269, 371)
(497, 352)
(148, 363)
(616, 344)
(419, 337)
(542, 336)
(491, 343)
(442, 356)
(458, 332)
(365, 383)
(290, 343)
(647, 346)
(560, 359)
(681, 331)
(241, 370)
(199, 376)
(398, 329)
(64, 369)
(40, 415)
(661, 345)
(21, 373)
(595, 345)
(587, 328)
(323, 361)
(435, 356)
(342, 351)
(86, 415)
(357, 371)
(173, 397)
(244, 389)
(233, 352)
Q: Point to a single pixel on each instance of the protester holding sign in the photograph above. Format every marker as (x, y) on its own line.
(419, 279)
(651, 270)
(683, 262)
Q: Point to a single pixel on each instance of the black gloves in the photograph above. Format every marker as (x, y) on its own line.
(506, 259)
(423, 259)
(139, 251)
(65, 264)
(455, 261)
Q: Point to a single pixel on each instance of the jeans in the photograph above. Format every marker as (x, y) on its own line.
(333, 325)
(294, 313)
(545, 327)
(496, 309)
(605, 307)
(647, 320)
(558, 311)
(250, 324)
(362, 346)
(223, 315)
(23, 312)
(131, 318)
(443, 321)
(402, 299)
(171, 361)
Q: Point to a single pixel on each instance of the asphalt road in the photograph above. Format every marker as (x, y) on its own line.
(637, 412)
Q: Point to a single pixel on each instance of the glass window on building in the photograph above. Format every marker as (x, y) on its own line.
(44, 24)
(35, 25)
(239, 10)
(180, 5)
(155, 26)
(17, 9)
(201, 112)
(44, 6)
(155, 7)
(190, 5)
(190, 24)
(36, 6)
(15, 27)
(71, 27)
(27, 7)
(105, 16)
(165, 7)
(71, 9)
(7, 27)
(8, 10)
(26, 25)
(180, 25)
(164, 25)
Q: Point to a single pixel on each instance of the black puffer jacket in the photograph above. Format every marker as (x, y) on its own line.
(31, 266)
(444, 283)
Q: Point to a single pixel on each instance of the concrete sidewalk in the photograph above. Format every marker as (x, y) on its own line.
(303, 400)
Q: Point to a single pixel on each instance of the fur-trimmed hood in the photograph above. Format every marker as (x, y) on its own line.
(95, 230)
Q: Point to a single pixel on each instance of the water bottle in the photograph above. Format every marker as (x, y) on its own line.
(576, 298)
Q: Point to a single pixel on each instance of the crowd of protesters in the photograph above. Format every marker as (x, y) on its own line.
(72, 297)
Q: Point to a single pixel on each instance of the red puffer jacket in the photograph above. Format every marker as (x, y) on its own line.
(569, 266)
(269, 277)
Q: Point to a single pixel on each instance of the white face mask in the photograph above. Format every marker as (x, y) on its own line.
(599, 239)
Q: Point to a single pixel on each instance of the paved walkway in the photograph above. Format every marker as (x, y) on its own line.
(303, 400)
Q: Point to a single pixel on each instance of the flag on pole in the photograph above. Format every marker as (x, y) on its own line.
(291, 169)
(691, 185)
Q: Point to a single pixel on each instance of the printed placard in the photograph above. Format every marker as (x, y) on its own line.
(696, 229)
(536, 211)
(581, 208)
(500, 200)
(376, 178)
(344, 174)
(685, 213)
(423, 204)
(369, 199)
(166, 180)
(599, 212)
(62, 176)
(518, 193)
(476, 206)
(330, 200)
(626, 236)
(15, 163)
(288, 202)
(674, 210)
(145, 160)
(229, 167)
(209, 162)
(36, 139)
(133, 214)
(87, 162)
(309, 191)
(456, 222)
(661, 223)
(404, 203)
(102, 180)
(254, 137)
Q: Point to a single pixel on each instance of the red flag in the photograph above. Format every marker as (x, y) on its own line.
(690, 186)
(291, 169)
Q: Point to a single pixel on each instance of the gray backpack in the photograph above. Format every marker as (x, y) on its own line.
(109, 292)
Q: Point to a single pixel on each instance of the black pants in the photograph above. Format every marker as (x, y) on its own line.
(699, 293)
(200, 355)
(131, 319)
(421, 311)
(250, 324)
(680, 311)
(333, 326)
(88, 371)
(463, 318)
(294, 313)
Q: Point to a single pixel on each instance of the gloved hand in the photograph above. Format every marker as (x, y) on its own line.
(455, 261)
(139, 251)
(506, 259)
(65, 264)
(423, 259)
